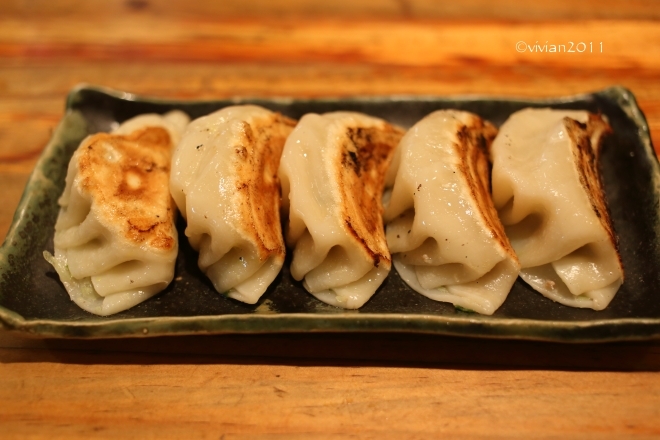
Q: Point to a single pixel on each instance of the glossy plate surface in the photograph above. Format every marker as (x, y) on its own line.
(33, 300)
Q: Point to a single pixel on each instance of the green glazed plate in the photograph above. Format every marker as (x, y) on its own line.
(32, 299)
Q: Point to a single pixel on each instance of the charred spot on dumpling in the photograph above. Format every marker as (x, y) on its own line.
(354, 161)
(127, 177)
(365, 157)
(473, 150)
(376, 257)
(241, 152)
(247, 128)
(258, 195)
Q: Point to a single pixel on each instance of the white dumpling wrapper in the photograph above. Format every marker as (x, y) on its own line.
(333, 172)
(224, 182)
(115, 240)
(442, 228)
(548, 193)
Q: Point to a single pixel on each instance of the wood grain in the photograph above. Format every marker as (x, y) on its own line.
(230, 400)
(630, 44)
(312, 9)
(316, 385)
(328, 386)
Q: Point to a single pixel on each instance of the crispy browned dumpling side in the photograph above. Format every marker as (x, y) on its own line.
(548, 192)
(127, 176)
(474, 140)
(333, 170)
(366, 153)
(115, 242)
(587, 141)
(258, 186)
(442, 228)
(224, 181)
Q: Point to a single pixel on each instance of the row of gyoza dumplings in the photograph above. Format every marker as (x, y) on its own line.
(234, 171)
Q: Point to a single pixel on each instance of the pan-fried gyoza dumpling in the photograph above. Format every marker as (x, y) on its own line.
(115, 238)
(224, 181)
(548, 192)
(442, 228)
(333, 171)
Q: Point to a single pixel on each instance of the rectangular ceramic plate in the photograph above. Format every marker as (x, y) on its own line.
(33, 300)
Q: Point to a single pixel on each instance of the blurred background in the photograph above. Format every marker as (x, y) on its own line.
(213, 49)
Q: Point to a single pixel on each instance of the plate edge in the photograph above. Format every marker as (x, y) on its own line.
(13, 321)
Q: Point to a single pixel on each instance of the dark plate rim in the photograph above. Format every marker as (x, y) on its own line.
(605, 330)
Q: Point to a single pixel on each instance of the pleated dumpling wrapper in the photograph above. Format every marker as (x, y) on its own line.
(547, 190)
(224, 181)
(115, 238)
(442, 228)
(333, 172)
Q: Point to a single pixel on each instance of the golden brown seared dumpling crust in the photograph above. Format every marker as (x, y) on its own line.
(115, 240)
(258, 186)
(442, 227)
(333, 171)
(548, 193)
(127, 176)
(365, 156)
(587, 140)
(224, 181)
(473, 143)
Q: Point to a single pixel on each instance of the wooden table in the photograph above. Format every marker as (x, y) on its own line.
(324, 385)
